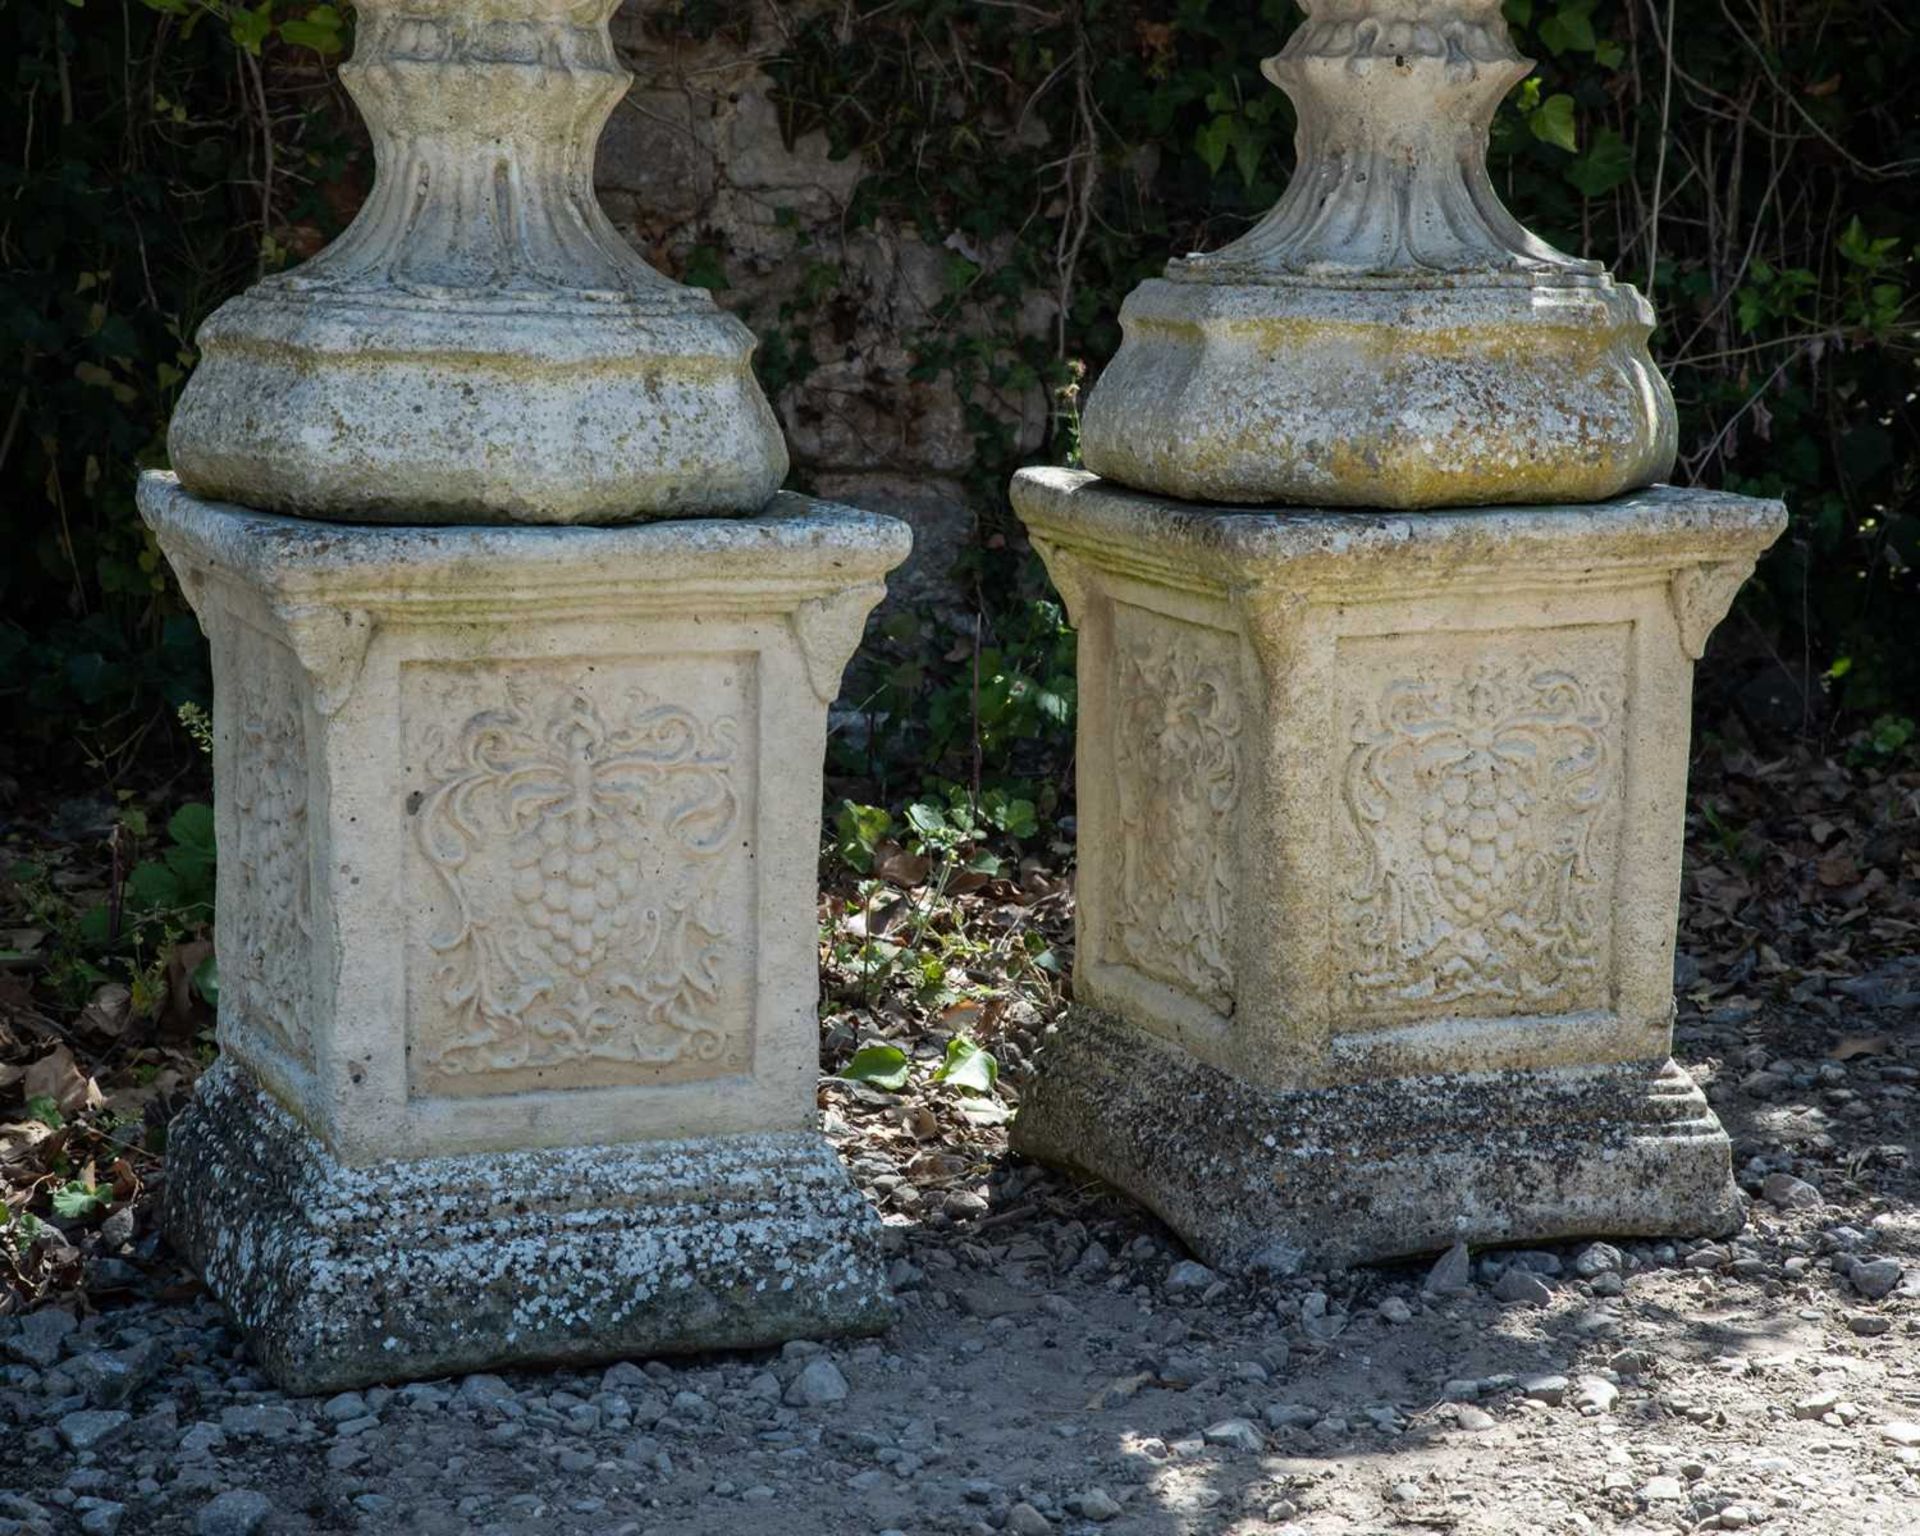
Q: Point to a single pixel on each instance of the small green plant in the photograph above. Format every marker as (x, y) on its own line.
(1883, 741)
(77, 1200)
(884, 1066)
(968, 1067)
(165, 896)
(858, 832)
(45, 1108)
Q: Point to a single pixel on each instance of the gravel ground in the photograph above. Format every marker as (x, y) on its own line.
(1061, 1365)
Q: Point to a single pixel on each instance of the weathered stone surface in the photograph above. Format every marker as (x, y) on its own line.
(343, 1276)
(1369, 1171)
(518, 835)
(1380, 826)
(481, 345)
(1388, 336)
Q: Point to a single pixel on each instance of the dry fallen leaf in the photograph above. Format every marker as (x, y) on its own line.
(1836, 870)
(58, 1077)
(18, 1140)
(895, 865)
(108, 1013)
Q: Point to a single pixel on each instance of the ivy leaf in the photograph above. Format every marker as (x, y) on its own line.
(885, 1066)
(1570, 28)
(319, 30)
(251, 28)
(1213, 141)
(1608, 163)
(968, 1067)
(1554, 124)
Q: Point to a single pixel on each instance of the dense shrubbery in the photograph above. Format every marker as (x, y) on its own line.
(1757, 158)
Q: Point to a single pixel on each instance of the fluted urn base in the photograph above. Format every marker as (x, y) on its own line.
(320, 404)
(1475, 393)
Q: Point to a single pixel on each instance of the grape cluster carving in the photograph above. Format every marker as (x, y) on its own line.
(605, 943)
(1477, 799)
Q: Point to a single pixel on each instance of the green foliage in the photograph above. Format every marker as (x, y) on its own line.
(858, 832)
(967, 1067)
(884, 1066)
(165, 895)
(161, 154)
(1763, 176)
(1761, 180)
(76, 1201)
(44, 1108)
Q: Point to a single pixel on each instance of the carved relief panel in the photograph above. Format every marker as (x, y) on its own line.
(266, 939)
(1478, 824)
(580, 872)
(1178, 772)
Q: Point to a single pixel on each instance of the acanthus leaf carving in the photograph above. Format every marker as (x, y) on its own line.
(266, 958)
(1177, 721)
(1702, 595)
(829, 629)
(332, 646)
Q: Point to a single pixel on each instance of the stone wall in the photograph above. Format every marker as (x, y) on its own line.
(696, 170)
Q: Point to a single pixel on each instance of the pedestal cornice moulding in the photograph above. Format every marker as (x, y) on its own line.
(1389, 335)
(481, 345)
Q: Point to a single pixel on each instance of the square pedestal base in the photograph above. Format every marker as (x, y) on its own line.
(1381, 820)
(519, 838)
(1285, 1179)
(341, 1277)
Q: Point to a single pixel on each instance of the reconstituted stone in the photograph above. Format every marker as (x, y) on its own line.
(1389, 336)
(519, 834)
(1380, 825)
(481, 345)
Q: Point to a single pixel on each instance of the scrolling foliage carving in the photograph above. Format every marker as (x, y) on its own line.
(1478, 796)
(580, 856)
(1178, 770)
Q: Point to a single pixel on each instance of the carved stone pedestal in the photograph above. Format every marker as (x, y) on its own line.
(1380, 825)
(518, 836)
